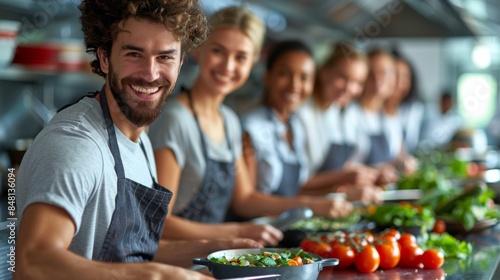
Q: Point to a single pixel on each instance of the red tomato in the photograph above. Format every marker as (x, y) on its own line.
(407, 239)
(432, 258)
(389, 255)
(369, 237)
(472, 169)
(322, 249)
(394, 232)
(298, 260)
(411, 256)
(307, 244)
(324, 238)
(345, 254)
(358, 241)
(439, 226)
(368, 260)
(386, 239)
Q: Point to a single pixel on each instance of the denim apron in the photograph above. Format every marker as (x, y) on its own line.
(137, 222)
(289, 184)
(379, 149)
(337, 154)
(212, 201)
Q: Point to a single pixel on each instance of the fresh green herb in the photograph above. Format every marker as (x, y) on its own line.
(403, 215)
(470, 207)
(449, 245)
(328, 224)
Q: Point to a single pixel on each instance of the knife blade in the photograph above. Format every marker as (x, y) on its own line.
(268, 276)
(391, 195)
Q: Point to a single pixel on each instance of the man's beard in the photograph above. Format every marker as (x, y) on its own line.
(142, 113)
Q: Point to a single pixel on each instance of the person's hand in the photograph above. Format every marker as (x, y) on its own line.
(326, 207)
(264, 234)
(387, 174)
(234, 243)
(158, 271)
(365, 193)
(409, 164)
(182, 274)
(361, 175)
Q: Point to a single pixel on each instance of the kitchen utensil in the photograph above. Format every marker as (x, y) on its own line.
(391, 195)
(270, 276)
(306, 271)
(8, 36)
(286, 219)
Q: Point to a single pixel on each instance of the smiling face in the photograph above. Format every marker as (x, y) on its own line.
(344, 81)
(225, 60)
(403, 83)
(381, 81)
(142, 69)
(290, 80)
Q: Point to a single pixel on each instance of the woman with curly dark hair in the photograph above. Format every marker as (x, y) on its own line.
(88, 197)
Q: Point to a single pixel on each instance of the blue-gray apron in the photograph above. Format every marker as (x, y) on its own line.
(379, 150)
(137, 222)
(212, 201)
(337, 156)
(289, 185)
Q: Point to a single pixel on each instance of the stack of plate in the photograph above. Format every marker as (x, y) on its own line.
(8, 35)
(39, 56)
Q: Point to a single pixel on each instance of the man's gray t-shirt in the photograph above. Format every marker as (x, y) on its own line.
(176, 129)
(70, 165)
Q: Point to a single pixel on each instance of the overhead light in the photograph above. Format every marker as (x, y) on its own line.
(481, 56)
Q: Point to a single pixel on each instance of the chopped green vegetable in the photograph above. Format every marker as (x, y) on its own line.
(449, 245)
(265, 259)
(327, 224)
(470, 207)
(403, 215)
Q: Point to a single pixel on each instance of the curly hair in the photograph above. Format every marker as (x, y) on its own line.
(102, 20)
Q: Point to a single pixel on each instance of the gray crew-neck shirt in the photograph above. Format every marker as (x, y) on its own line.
(176, 129)
(69, 165)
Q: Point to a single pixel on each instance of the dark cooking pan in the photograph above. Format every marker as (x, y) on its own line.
(306, 271)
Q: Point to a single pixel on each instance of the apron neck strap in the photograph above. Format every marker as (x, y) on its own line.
(190, 99)
(110, 128)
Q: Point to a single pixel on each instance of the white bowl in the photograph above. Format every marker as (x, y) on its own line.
(8, 47)
(10, 25)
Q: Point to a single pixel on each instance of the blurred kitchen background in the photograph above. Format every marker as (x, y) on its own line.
(454, 46)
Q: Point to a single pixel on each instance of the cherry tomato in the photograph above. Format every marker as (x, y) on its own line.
(386, 239)
(307, 244)
(407, 239)
(389, 255)
(324, 238)
(345, 254)
(322, 249)
(411, 256)
(439, 226)
(368, 260)
(298, 259)
(472, 169)
(432, 258)
(394, 232)
(369, 237)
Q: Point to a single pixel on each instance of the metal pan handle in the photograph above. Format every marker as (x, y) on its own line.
(204, 262)
(328, 262)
